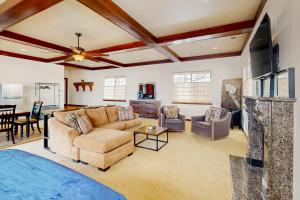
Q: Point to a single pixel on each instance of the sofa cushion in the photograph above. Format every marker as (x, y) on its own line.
(102, 140)
(62, 115)
(133, 123)
(112, 113)
(115, 125)
(173, 121)
(203, 125)
(97, 116)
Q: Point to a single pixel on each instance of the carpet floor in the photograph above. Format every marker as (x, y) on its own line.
(189, 167)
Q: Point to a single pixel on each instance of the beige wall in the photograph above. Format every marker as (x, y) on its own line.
(26, 72)
(225, 68)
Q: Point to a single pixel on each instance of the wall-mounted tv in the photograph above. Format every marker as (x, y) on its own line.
(261, 51)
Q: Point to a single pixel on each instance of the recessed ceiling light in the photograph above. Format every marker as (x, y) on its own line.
(215, 48)
(233, 37)
(23, 49)
(91, 64)
(138, 58)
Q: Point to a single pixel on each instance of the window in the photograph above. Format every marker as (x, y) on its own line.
(115, 89)
(192, 87)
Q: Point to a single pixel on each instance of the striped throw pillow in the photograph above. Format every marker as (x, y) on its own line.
(85, 124)
(72, 119)
(125, 113)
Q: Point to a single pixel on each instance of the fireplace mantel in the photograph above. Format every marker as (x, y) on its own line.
(271, 135)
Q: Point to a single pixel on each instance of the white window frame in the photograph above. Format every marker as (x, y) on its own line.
(115, 87)
(198, 91)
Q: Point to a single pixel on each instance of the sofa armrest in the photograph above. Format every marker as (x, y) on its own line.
(161, 119)
(181, 117)
(198, 118)
(60, 131)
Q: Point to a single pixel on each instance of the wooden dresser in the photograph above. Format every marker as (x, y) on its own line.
(146, 108)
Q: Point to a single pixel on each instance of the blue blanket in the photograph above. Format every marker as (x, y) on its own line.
(26, 176)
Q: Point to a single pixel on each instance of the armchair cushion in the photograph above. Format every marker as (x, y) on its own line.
(171, 112)
(173, 121)
(202, 125)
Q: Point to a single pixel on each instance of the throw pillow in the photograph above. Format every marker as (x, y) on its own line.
(170, 112)
(125, 113)
(85, 124)
(72, 119)
(214, 113)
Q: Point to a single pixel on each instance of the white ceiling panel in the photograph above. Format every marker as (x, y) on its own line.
(137, 56)
(166, 17)
(59, 23)
(213, 46)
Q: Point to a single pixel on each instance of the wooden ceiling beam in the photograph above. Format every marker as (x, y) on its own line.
(185, 59)
(19, 10)
(112, 12)
(132, 46)
(208, 33)
(201, 34)
(212, 56)
(33, 41)
(74, 66)
(84, 67)
(16, 55)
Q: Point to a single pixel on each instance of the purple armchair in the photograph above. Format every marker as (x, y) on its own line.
(213, 129)
(172, 124)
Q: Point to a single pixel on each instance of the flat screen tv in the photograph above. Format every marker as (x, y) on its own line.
(261, 51)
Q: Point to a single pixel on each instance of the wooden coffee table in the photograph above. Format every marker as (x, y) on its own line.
(156, 132)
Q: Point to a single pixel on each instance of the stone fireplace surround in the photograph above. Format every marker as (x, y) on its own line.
(270, 145)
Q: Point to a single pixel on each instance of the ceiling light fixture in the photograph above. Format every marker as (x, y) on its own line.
(78, 57)
(215, 48)
(23, 49)
(138, 58)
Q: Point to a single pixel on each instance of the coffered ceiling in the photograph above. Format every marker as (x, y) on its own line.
(131, 32)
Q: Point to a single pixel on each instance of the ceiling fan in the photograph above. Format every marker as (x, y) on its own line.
(80, 54)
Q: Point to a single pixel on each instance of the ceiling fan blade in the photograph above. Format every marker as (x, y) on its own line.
(96, 54)
(70, 58)
(92, 59)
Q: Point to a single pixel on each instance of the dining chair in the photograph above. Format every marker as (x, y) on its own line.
(7, 116)
(34, 118)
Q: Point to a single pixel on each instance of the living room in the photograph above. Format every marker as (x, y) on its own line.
(138, 108)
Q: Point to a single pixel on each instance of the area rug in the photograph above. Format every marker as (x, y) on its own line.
(25, 176)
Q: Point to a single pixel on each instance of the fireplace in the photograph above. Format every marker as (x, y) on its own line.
(267, 170)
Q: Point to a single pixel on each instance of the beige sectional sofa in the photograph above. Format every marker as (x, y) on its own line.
(109, 141)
